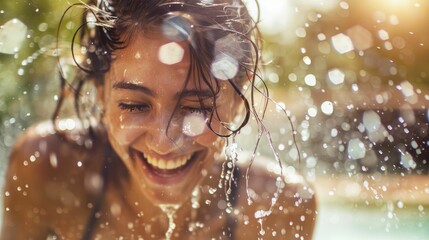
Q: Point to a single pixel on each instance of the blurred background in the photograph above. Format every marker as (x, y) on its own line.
(352, 75)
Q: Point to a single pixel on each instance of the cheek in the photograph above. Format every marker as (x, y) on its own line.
(211, 141)
(124, 130)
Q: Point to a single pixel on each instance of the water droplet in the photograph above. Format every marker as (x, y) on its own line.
(115, 209)
(344, 5)
(43, 27)
(312, 111)
(407, 161)
(383, 34)
(327, 107)
(171, 53)
(301, 32)
(361, 37)
(336, 76)
(342, 43)
(130, 225)
(20, 71)
(371, 121)
(356, 149)
(212, 190)
(169, 210)
(261, 231)
(311, 162)
(12, 35)
(262, 213)
(194, 124)
(310, 80)
(306, 60)
(224, 67)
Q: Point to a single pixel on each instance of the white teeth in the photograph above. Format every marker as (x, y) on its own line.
(167, 164)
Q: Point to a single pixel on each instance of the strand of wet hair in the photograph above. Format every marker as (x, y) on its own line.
(64, 84)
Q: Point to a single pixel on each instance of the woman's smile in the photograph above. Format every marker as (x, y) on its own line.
(162, 168)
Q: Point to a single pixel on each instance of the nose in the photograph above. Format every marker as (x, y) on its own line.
(164, 135)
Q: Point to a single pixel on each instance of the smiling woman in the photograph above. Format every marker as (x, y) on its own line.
(156, 155)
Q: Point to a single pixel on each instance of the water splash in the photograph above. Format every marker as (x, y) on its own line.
(169, 210)
(262, 231)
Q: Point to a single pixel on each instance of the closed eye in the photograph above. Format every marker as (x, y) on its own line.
(134, 107)
(199, 110)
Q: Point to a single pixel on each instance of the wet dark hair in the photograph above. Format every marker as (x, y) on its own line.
(212, 28)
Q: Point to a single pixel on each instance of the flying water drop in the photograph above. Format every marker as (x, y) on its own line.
(12, 35)
(194, 124)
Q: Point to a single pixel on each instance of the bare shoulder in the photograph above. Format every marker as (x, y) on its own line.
(277, 206)
(46, 172)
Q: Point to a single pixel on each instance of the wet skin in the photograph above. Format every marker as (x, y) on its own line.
(53, 178)
(145, 103)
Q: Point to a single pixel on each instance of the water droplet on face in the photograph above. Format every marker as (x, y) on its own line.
(171, 53)
(212, 190)
(224, 67)
(12, 35)
(194, 124)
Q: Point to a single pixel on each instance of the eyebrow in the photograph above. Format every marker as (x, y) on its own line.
(205, 93)
(133, 86)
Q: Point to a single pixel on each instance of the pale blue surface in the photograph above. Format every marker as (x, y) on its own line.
(336, 221)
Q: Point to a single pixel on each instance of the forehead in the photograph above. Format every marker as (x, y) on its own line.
(153, 49)
(148, 58)
(153, 56)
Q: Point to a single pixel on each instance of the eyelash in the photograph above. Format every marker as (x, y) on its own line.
(133, 107)
(202, 110)
(143, 107)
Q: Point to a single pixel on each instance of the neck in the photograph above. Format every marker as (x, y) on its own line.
(138, 208)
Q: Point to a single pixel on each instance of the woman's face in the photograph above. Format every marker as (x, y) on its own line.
(156, 124)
